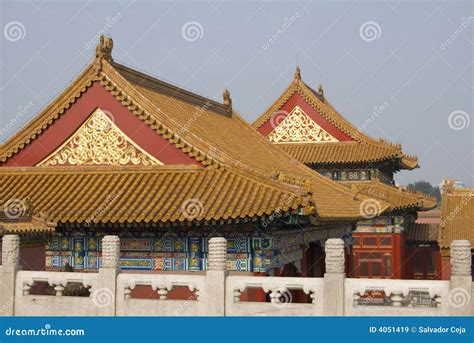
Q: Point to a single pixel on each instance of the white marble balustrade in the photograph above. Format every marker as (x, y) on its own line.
(27, 304)
(278, 288)
(162, 284)
(395, 291)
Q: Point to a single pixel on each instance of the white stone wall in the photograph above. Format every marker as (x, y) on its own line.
(219, 294)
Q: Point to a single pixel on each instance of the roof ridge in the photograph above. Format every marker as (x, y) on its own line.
(163, 86)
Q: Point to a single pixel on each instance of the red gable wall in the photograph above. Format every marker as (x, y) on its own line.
(297, 100)
(77, 114)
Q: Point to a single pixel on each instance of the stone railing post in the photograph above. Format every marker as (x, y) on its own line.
(10, 266)
(216, 276)
(104, 297)
(459, 299)
(334, 278)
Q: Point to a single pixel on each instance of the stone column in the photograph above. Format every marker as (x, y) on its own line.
(459, 299)
(104, 297)
(10, 266)
(216, 276)
(334, 278)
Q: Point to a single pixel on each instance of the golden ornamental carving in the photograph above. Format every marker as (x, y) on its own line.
(297, 127)
(99, 142)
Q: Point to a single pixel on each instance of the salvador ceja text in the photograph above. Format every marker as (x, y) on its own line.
(418, 329)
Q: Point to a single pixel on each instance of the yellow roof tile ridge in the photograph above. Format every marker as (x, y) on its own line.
(169, 88)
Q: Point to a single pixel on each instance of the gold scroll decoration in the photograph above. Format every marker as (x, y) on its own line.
(99, 142)
(298, 127)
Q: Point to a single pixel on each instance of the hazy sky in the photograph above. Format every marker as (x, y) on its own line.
(401, 70)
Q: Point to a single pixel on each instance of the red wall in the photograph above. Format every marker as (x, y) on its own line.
(97, 96)
(297, 100)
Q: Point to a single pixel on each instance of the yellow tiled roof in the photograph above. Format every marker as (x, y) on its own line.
(396, 197)
(344, 153)
(457, 216)
(416, 232)
(145, 194)
(204, 129)
(371, 150)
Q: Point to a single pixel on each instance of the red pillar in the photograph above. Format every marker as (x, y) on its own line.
(445, 268)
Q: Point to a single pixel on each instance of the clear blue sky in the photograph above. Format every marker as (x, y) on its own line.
(418, 65)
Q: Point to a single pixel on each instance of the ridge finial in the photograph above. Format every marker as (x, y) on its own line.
(320, 91)
(298, 73)
(227, 100)
(104, 48)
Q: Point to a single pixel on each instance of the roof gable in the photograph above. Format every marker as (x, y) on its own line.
(58, 129)
(99, 142)
(333, 122)
(298, 127)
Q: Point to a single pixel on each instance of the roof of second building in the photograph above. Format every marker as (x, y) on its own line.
(457, 215)
(362, 148)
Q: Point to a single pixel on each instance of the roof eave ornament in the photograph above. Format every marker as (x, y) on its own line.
(103, 51)
(227, 100)
(320, 91)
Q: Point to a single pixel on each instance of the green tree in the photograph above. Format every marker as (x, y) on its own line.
(426, 188)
